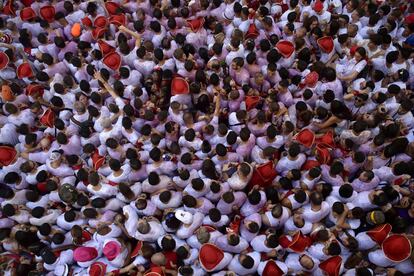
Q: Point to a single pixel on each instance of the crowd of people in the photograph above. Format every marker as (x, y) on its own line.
(206, 137)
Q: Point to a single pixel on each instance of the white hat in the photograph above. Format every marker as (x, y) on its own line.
(184, 216)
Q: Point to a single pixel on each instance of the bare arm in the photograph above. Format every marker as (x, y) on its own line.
(106, 85)
(332, 120)
(133, 34)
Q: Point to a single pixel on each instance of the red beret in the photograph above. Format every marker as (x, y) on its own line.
(263, 175)
(252, 32)
(86, 21)
(118, 19)
(98, 32)
(323, 154)
(311, 79)
(27, 3)
(299, 242)
(179, 86)
(8, 9)
(100, 22)
(4, 60)
(85, 254)
(306, 137)
(48, 13)
(27, 14)
(310, 164)
(97, 269)
(379, 233)
(7, 155)
(24, 71)
(105, 48)
(251, 102)
(196, 24)
(331, 266)
(397, 248)
(136, 250)
(34, 88)
(326, 43)
(113, 60)
(111, 7)
(48, 118)
(285, 48)
(327, 139)
(210, 256)
(272, 269)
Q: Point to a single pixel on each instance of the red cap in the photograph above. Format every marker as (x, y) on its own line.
(306, 137)
(97, 160)
(251, 102)
(98, 32)
(252, 32)
(118, 19)
(331, 266)
(196, 24)
(27, 14)
(8, 9)
(326, 43)
(111, 7)
(24, 71)
(272, 269)
(210, 256)
(409, 19)
(285, 48)
(111, 250)
(379, 233)
(113, 60)
(318, 6)
(48, 118)
(97, 269)
(7, 155)
(100, 22)
(86, 21)
(34, 88)
(84, 254)
(311, 79)
(4, 60)
(397, 248)
(48, 13)
(105, 48)
(327, 139)
(179, 86)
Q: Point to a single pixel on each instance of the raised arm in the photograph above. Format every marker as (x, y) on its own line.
(133, 34)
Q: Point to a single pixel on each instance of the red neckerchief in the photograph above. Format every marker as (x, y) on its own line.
(77, 167)
(112, 183)
(290, 192)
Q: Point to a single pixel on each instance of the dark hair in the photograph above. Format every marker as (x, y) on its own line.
(334, 249)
